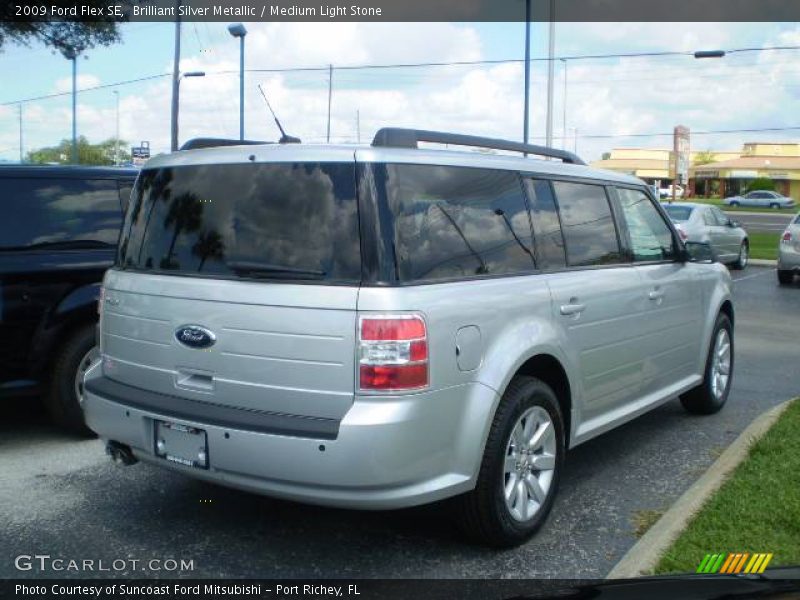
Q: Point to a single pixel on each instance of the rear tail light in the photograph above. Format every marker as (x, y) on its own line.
(393, 353)
(682, 234)
(101, 300)
(787, 237)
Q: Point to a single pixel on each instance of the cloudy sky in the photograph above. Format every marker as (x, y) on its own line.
(620, 98)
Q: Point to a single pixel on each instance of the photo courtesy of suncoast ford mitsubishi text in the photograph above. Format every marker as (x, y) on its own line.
(387, 325)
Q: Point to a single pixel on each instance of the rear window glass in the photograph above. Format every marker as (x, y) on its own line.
(280, 221)
(678, 213)
(46, 211)
(456, 222)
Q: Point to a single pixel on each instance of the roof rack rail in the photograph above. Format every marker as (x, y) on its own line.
(196, 143)
(396, 137)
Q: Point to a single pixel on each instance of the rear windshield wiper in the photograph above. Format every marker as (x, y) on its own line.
(266, 270)
(64, 245)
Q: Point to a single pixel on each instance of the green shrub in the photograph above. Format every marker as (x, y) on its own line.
(761, 183)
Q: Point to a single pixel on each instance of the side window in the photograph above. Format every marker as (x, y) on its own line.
(720, 217)
(708, 218)
(588, 225)
(452, 222)
(546, 225)
(59, 210)
(651, 238)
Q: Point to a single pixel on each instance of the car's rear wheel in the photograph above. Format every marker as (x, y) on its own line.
(734, 203)
(520, 469)
(774, 205)
(710, 396)
(66, 381)
(785, 277)
(744, 256)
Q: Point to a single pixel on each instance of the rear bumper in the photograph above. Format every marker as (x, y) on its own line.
(389, 452)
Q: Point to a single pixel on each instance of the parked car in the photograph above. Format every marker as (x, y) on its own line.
(666, 192)
(57, 238)
(709, 225)
(761, 198)
(789, 252)
(390, 326)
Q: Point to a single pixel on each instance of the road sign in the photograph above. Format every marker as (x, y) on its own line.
(140, 154)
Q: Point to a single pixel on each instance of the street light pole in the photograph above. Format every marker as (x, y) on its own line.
(72, 54)
(550, 75)
(176, 65)
(564, 116)
(116, 138)
(178, 88)
(21, 153)
(526, 108)
(238, 31)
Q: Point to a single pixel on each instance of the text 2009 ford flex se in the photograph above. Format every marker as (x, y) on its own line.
(386, 326)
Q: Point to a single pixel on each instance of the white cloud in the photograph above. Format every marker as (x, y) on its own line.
(84, 80)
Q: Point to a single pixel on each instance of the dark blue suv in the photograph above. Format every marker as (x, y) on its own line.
(59, 228)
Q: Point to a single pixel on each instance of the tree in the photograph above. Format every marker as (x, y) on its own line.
(704, 158)
(103, 153)
(605, 156)
(65, 36)
(761, 183)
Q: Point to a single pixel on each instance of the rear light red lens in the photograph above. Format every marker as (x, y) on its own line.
(787, 236)
(393, 353)
(398, 377)
(392, 329)
(683, 235)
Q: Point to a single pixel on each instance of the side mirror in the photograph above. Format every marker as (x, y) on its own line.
(699, 252)
(732, 223)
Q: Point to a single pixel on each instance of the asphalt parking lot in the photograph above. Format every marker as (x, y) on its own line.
(64, 498)
(761, 221)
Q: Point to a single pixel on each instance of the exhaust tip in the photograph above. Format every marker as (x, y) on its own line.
(121, 453)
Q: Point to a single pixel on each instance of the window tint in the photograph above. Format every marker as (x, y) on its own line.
(546, 226)
(45, 211)
(650, 236)
(274, 221)
(452, 222)
(720, 217)
(678, 213)
(708, 218)
(588, 224)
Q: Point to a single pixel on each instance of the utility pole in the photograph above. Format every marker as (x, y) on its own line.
(72, 54)
(550, 76)
(564, 118)
(116, 139)
(358, 126)
(238, 30)
(330, 95)
(21, 152)
(176, 65)
(526, 108)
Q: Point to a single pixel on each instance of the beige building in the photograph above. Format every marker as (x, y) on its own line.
(729, 173)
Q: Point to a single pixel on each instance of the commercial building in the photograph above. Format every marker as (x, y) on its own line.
(728, 173)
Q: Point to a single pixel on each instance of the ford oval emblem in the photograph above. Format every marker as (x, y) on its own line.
(195, 336)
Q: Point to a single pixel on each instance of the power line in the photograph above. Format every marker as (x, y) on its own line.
(413, 65)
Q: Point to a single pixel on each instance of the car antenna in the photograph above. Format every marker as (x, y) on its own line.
(285, 139)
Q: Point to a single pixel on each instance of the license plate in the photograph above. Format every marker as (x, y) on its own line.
(181, 444)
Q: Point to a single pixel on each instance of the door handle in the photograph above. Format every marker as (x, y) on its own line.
(573, 308)
(655, 295)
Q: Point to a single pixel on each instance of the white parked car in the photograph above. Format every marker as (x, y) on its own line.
(666, 192)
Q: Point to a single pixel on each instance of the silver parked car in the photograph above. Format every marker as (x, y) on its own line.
(789, 252)
(763, 199)
(386, 326)
(708, 224)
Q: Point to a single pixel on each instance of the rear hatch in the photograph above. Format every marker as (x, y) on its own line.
(237, 284)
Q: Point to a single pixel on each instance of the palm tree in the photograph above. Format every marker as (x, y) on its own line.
(185, 214)
(208, 245)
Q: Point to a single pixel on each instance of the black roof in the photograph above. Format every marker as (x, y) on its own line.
(67, 171)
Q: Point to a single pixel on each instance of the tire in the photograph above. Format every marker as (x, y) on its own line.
(734, 204)
(744, 256)
(775, 205)
(785, 277)
(710, 396)
(485, 514)
(61, 399)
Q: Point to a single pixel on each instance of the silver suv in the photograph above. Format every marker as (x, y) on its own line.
(387, 326)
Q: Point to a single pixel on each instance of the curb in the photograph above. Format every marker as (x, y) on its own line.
(643, 557)
(763, 262)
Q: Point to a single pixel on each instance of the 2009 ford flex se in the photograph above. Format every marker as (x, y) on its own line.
(387, 326)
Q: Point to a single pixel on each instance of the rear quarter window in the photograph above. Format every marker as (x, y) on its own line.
(456, 222)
